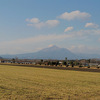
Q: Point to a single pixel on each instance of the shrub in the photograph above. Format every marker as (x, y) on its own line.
(80, 66)
(88, 67)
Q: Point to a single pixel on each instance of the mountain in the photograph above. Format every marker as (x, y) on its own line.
(55, 52)
(0, 57)
(52, 52)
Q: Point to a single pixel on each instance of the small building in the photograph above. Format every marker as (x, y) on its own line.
(93, 64)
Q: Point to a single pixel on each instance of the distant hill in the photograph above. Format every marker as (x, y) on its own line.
(0, 57)
(88, 56)
(53, 52)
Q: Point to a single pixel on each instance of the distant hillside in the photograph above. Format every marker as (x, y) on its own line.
(88, 56)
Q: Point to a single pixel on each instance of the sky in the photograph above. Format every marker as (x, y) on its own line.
(28, 26)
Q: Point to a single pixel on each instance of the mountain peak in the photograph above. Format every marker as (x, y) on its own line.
(50, 48)
(53, 46)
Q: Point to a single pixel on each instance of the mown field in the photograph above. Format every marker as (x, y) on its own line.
(30, 83)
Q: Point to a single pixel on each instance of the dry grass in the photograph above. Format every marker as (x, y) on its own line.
(28, 83)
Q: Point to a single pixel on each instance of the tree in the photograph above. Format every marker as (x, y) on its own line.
(64, 62)
(41, 60)
(72, 63)
(57, 63)
(80, 65)
(13, 60)
(89, 60)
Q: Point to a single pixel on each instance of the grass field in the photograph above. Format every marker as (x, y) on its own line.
(29, 83)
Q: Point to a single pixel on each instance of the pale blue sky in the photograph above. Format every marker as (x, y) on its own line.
(30, 25)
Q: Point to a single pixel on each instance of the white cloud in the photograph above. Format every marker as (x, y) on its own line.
(91, 25)
(84, 49)
(74, 15)
(78, 48)
(29, 44)
(82, 33)
(68, 29)
(39, 25)
(52, 23)
(32, 43)
(35, 22)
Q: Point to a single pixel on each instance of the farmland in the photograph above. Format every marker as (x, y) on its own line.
(30, 83)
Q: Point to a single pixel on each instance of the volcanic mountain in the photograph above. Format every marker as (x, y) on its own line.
(52, 52)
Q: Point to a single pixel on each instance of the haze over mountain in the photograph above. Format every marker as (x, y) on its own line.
(52, 52)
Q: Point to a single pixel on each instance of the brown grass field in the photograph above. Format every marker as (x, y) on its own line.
(31, 83)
